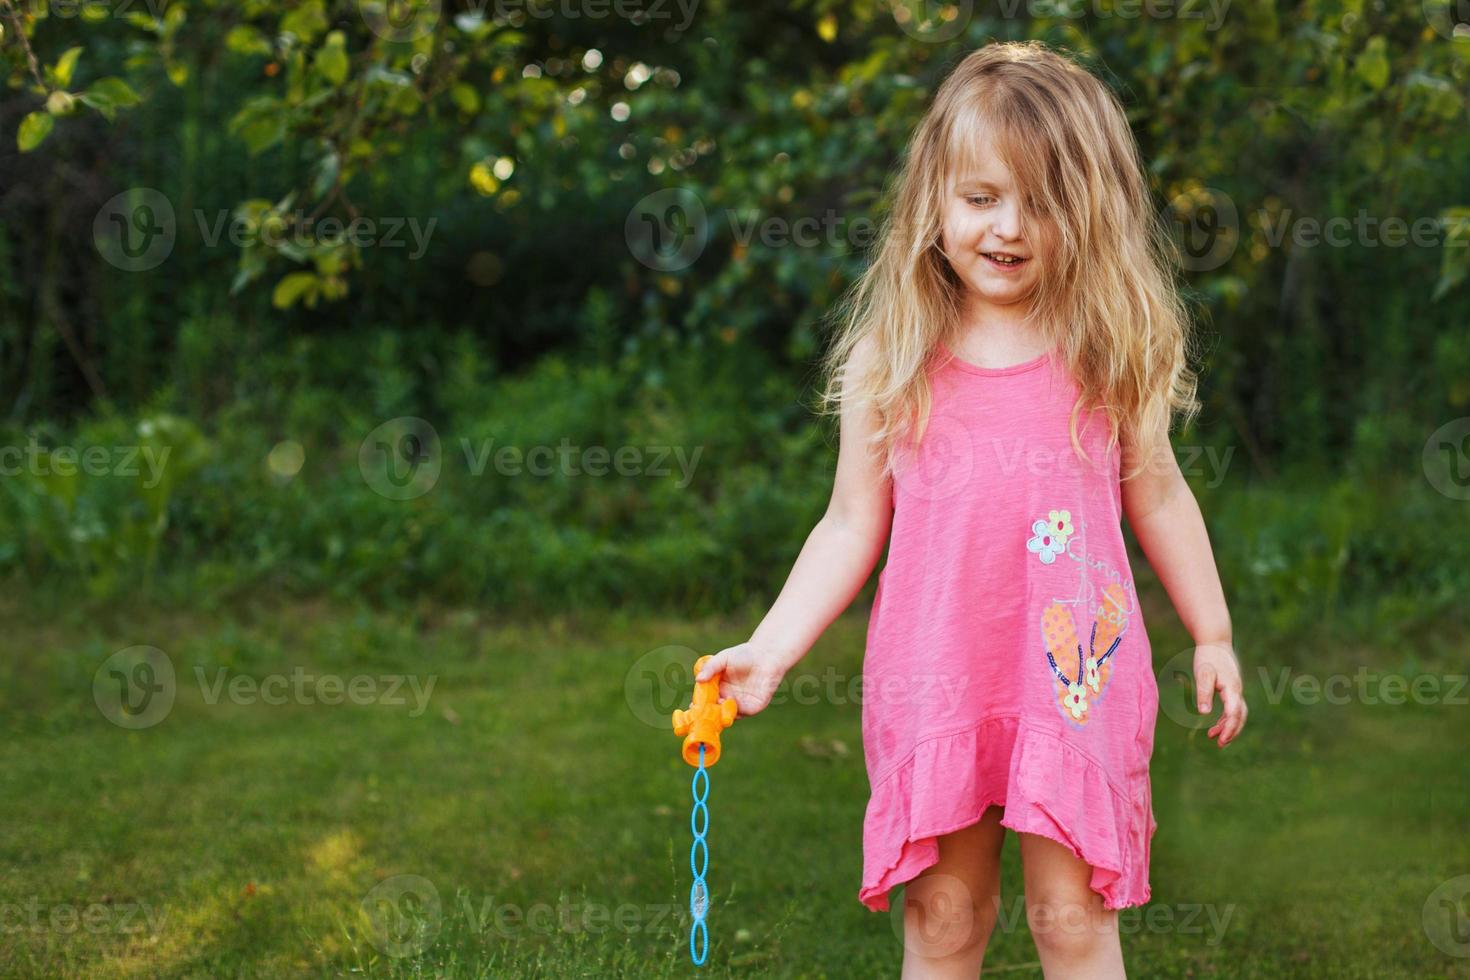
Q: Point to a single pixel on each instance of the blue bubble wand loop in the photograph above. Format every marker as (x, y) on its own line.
(700, 727)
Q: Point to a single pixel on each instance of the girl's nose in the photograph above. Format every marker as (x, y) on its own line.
(1006, 221)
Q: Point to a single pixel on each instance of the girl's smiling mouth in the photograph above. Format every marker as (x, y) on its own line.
(1004, 261)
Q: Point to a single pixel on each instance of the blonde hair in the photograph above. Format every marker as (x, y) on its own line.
(1108, 301)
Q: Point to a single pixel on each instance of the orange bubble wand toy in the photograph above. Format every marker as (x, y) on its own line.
(700, 726)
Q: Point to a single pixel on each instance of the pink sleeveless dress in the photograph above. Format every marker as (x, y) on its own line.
(1007, 663)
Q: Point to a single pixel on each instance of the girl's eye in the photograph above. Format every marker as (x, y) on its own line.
(980, 200)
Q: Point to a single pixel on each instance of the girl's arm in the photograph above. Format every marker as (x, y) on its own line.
(836, 560)
(1166, 519)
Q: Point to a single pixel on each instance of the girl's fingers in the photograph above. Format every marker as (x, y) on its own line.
(712, 666)
(1204, 687)
(1234, 717)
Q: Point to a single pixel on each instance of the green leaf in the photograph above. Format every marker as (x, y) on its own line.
(1455, 260)
(144, 22)
(65, 66)
(306, 21)
(465, 96)
(261, 123)
(327, 170)
(115, 91)
(252, 264)
(33, 129)
(331, 60)
(1372, 64)
(247, 40)
(295, 286)
(107, 95)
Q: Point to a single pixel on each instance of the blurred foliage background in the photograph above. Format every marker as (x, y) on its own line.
(499, 155)
(281, 281)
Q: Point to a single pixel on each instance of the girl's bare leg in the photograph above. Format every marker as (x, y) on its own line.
(1075, 936)
(950, 908)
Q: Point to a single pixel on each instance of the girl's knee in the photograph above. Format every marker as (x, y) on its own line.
(1068, 930)
(944, 917)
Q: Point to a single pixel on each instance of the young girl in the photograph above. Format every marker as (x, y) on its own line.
(1017, 338)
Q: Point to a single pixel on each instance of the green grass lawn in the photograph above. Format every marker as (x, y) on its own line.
(533, 821)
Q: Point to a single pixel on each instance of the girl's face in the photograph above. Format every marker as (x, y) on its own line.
(999, 258)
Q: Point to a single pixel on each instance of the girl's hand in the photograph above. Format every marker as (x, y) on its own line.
(751, 674)
(1216, 668)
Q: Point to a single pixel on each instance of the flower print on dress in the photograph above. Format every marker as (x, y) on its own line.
(1049, 536)
(1080, 672)
(1080, 675)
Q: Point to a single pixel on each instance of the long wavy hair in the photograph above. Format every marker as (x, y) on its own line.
(1108, 301)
